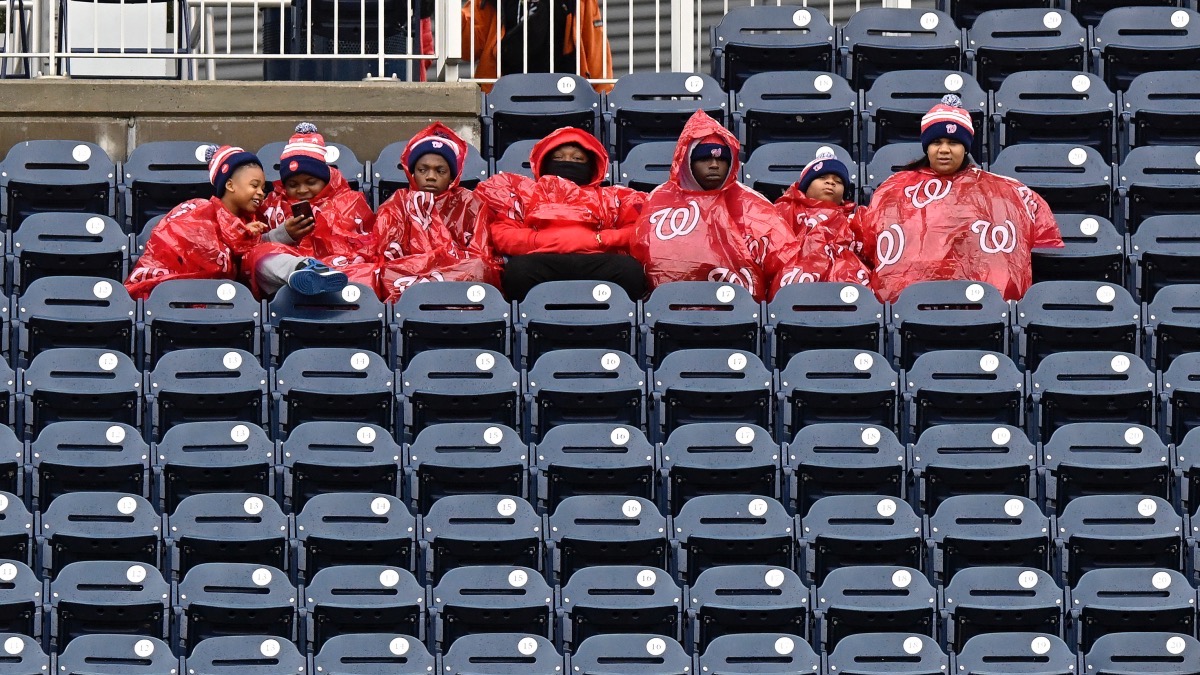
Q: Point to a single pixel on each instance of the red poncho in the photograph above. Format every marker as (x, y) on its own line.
(971, 225)
(829, 242)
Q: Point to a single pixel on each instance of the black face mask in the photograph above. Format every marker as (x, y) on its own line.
(579, 173)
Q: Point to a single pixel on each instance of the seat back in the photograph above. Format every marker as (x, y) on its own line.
(118, 655)
(336, 384)
(898, 99)
(837, 385)
(775, 166)
(1104, 458)
(876, 41)
(245, 655)
(1152, 652)
(16, 529)
(1118, 531)
(584, 459)
(503, 654)
(635, 654)
(759, 653)
(81, 384)
(854, 530)
(25, 656)
(467, 458)
(822, 315)
(1056, 106)
(1091, 387)
(190, 313)
(1161, 108)
(719, 458)
(715, 530)
(337, 156)
(325, 457)
(1159, 180)
(768, 100)
(460, 385)
(1027, 37)
(974, 530)
(21, 600)
(984, 600)
(379, 528)
(228, 528)
(99, 526)
(350, 599)
(1017, 653)
(576, 386)
(960, 459)
(463, 530)
(12, 452)
(747, 599)
(216, 600)
(160, 175)
(647, 165)
(206, 385)
(105, 597)
(1171, 323)
(353, 318)
(620, 599)
(491, 599)
(516, 158)
(1181, 387)
(963, 386)
(86, 312)
(576, 315)
(69, 244)
(524, 106)
(710, 385)
(206, 457)
(452, 314)
(373, 654)
(588, 530)
(89, 456)
(752, 40)
(935, 315)
(1071, 178)
(885, 161)
(1131, 600)
(1164, 251)
(876, 654)
(699, 314)
(54, 175)
(647, 106)
(1134, 40)
(874, 599)
(843, 458)
(1092, 250)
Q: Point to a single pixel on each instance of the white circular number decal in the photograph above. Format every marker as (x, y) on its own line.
(974, 292)
(389, 578)
(476, 293)
(136, 574)
(240, 433)
(493, 435)
(1077, 156)
(14, 645)
(114, 434)
(694, 84)
(601, 293)
(1089, 227)
(737, 361)
(912, 645)
(871, 436)
(81, 153)
(1001, 436)
(989, 363)
(954, 81)
(94, 225)
(901, 578)
(1014, 508)
(8, 572)
(849, 295)
(1134, 436)
(886, 508)
(1028, 579)
(774, 578)
(351, 293)
(566, 85)
(253, 506)
(506, 507)
(863, 361)
(1081, 83)
(226, 292)
(758, 507)
(823, 83)
(1052, 20)
(929, 21)
(655, 646)
(801, 18)
(1120, 363)
(269, 648)
(102, 290)
(485, 361)
(610, 361)
(1147, 507)
(619, 436)
(726, 294)
(1176, 645)
(646, 578)
(527, 646)
(744, 435)
(785, 646)
(631, 508)
(1178, 19)
(1039, 645)
(261, 576)
(360, 360)
(365, 435)
(126, 505)
(1106, 294)
(232, 361)
(380, 506)
(518, 578)
(398, 646)
(143, 648)
(1161, 580)
(108, 361)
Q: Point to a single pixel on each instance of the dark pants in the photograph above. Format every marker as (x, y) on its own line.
(523, 272)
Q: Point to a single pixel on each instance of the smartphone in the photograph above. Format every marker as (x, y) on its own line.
(302, 210)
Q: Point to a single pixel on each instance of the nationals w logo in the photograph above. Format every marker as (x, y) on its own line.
(927, 192)
(674, 222)
(422, 208)
(889, 246)
(996, 238)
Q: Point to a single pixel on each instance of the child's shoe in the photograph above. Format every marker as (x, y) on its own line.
(313, 277)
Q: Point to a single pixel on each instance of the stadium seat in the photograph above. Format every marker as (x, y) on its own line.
(837, 385)
(525, 106)
(140, 239)
(980, 530)
(388, 176)
(353, 599)
(207, 457)
(1180, 396)
(587, 459)
(1055, 106)
(879, 40)
(746, 599)
(217, 600)
(884, 162)
(719, 458)
(588, 530)
(445, 386)
(467, 458)
(16, 529)
(767, 106)
(100, 597)
(936, 315)
(822, 315)
(1016, 654)
(118, 655)
(1071, 178)
(888, 654)
(12, 452)
(24, 656)
(22, 599)
(1093, 251)
(353, 318)
(699, 314)
(451, 315)
(1091, 387)
(1002, 42)
(752, 40)
(68, 244)
(98, 526)
(873, 599)
(636, 654)
(373, 654)
(1172, 324)
(1130, 40)
(578, 386)
(47, 176)
(1065, 316)
(1164, 251)
(646, 166)
(491, 599)
(855, 530)
(190, 313)
(334, 384)
(1188, 458)
(1118, 532)
(575, 315)
(971, 459)
(709, 385)
(714, 530)
(1105, 459)
(517, 158)
(773, 167)
(502, 654)
(962, 386)
(759, 654)
(337, 156)
(654, 106)
(85, 312)
(895, 102)
(1160, 108)
(1149, 653)
(843, 459)
(462, 530)
(160, 175)
(227, 527)
(1159, 181)
(245, 655)
(354, 528)
(88, 457)
(1106, 601)
(619, 599)
(988, 600)
(324, 457)
(207, 384)
(8, 414)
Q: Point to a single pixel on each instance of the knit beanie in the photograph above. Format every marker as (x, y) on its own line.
(947, 119)
(824, 164)
(223, 161)
(434, 145)
(304, 153)
(710, 147)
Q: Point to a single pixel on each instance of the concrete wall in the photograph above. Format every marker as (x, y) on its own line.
(119, 115)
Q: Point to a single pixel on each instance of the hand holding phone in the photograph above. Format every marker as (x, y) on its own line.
(301, 210)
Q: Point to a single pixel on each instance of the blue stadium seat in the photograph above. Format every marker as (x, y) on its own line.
(98, 526)
(1164, 251)
(451, 315)
(218, 600)
(1160, 108)
(1180, 396)
(1106, 601)
(822, 315)
(491, 599)
(578, 386)
(970, 459)
(714, 530)
(895, 103)
(141, 238)
(160, 175)
(746, 599)
(586, 459)
(879, 40)
(90, 312)
(354, 528)
(387, 172)
(444, 386)
(837, 385)
(68, 244)
(985, 600)
(208, 384)
(1129, 41)
(649, 106)
(525, 106)
(245, 655)
(1105, 459)
(517, 158)
(24, 656)
(467, 458)
(1064, 316)
(699, 314)
(888, 653)
(118, 655)
(12, 454)
(353, 599)
(709, 385)
(88, 457)
(206, 457)
(825, 460)
(884, 162)
(335, 384)
(1090, 387)
(1093, 251)
(502, 654)
(16, 529)
(981, 530)
(49, 176)
(619, 599)
(588, 530)
(636, 654)
(1118, 532)
(1159, 181)
(462, 530)
(100, 597)
(873, 599)
(324, 457)
(773, 167)
(575, 315)
(1148, 653)
(934, 315)
(1188, 458)
(189, 313)
(228, 527)
(1055, 106)
(337, 156)
(759, 654)
(767, 106)
(353, 318)
(719, 458)
(373, 654)
(752, 40)
(22, 600)
(1172, 324)
(1071, 178)
(856, 530)
(964, 386)
(646, 166)
(1024, 36)
(8, 414)
(1016, 654)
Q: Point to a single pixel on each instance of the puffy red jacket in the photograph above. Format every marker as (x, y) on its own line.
(829, 242)
(199, 239)
(550, 214)
(971, 225)
(732, 234)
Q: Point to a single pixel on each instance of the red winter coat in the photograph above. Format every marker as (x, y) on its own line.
(731, 234)
(550, 214)
(971, 225)
(422, 237)
(199, 239)
(829, 242)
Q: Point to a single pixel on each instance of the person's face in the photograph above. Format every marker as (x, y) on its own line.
(710, 172)
(244, 190)
(303, 187)
(569, 153)
(432, 173)
(827, 188)
(945, 156)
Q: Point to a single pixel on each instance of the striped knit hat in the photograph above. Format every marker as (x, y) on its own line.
(223, 161)
(304, 153)
(947, 119)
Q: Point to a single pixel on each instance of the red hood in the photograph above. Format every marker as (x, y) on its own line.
(442, 131)
(699, 126)
(570, 135)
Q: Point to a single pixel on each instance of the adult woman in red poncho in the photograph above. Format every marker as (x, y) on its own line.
(944, 218)
(435, 229)
(563, 224)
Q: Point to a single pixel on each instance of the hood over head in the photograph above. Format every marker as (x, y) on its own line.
(698, 129)
(441, 133)
(579, 137)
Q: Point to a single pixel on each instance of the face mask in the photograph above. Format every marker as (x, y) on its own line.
(579, 173)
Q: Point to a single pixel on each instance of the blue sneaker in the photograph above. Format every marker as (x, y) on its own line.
(314, 277)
